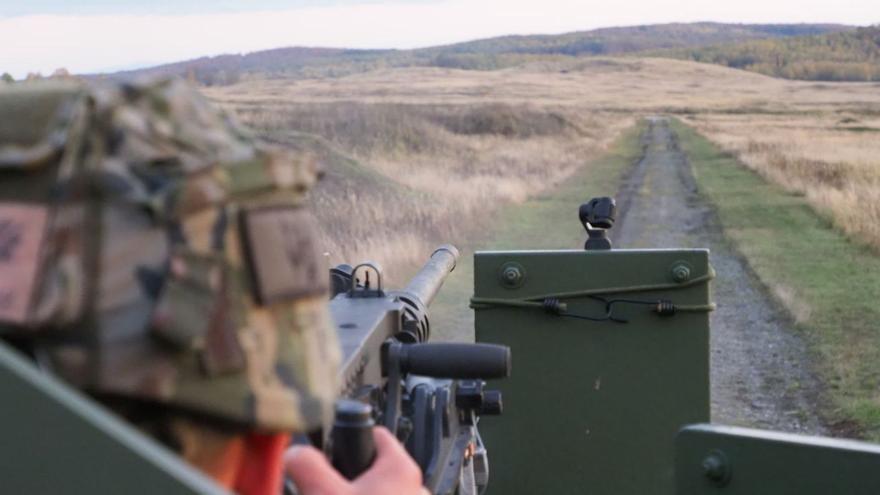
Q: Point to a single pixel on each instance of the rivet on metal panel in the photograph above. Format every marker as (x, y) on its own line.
(681, 272)
(512, 275)
(716, 468)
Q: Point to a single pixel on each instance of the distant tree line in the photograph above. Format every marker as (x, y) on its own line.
(842, 56)
(60, 73)
(214, 77)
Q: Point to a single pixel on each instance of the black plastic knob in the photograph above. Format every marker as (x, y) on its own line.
(492, 404)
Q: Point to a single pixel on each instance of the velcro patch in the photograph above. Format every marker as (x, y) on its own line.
(279, 245)
(22, 229)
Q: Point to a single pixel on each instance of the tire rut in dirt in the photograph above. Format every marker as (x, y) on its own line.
(760, 372)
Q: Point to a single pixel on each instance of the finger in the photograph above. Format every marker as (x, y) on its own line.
(311, 473)
(392, 459)
(388, 448)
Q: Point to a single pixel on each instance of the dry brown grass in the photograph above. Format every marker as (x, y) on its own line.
(831, 158)
(452, 145)
(629, 85)
(404, 178)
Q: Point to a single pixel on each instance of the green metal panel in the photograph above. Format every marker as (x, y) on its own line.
(593, 407)
(738, 461)
(55, 440)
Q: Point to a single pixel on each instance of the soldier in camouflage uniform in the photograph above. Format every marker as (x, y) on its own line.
(155, 255)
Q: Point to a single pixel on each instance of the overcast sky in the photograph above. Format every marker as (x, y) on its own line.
(104, 35)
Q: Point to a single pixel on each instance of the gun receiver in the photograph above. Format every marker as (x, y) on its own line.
(429, 394)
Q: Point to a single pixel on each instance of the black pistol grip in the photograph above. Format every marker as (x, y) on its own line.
(353, 449)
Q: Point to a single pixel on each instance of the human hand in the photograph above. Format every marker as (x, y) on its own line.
(393, 471)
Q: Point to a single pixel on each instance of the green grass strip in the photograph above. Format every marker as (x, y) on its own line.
(550, 220)
(830, 284)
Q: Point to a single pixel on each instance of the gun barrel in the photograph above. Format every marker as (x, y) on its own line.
(427, 282)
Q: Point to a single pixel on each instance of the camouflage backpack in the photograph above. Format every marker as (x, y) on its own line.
(154, 250)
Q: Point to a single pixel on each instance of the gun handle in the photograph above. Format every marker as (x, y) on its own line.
(352, 450)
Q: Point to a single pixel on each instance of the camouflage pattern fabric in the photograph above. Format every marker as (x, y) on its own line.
(158, 251)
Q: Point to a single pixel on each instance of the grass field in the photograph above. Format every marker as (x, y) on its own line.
(625, 85)
(403, 178)
(833, 159)
(466, 142)
(829, 283)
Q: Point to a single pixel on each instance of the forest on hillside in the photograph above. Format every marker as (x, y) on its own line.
(840, 56)
(618, 40)
(487, 54)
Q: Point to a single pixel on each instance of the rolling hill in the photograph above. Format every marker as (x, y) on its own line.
(487, 54)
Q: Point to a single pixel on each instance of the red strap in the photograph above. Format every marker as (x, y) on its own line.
(261, 470)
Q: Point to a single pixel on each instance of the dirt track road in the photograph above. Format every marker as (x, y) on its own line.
(759, 368)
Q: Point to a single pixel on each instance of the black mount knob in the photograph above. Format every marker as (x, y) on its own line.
(492, 403)
(597, 216)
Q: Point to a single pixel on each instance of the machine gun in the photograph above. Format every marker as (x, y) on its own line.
(431, 395)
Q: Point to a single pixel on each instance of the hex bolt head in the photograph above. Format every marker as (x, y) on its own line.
(681, 273)
(716, 468)
(512, 275)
